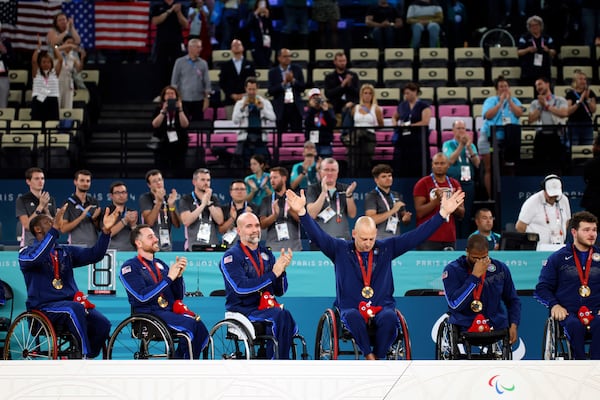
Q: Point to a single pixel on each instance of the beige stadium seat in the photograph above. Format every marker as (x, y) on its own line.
(364, 58)
(511, 74)
(324, 57)
(397, 77)
(452, 95)
(504, 56)
(433, 57)
(367, 75)
(219, 57)
(469, 76)
(399, 57)
(477, 95)
(468, 56)
(575, 55)
(433, 76)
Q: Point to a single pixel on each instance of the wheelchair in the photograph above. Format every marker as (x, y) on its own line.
(452, 344)
(32, 336)
(334, 340)
(237, 338)
(555, 344)
(146, 337)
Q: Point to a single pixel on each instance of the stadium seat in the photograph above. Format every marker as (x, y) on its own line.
(387, 96)
(469, 76)
(433, 76)
(477, 95)
(7, 114)
(367, 75)
(575, 55)
(15, 98)
(451, 95)
(468, 57)
(525, 94)
(219, 57)
(91, 76)
(301, 57)
(428, 94)
(477, 111)
(318, 76)
(292, 139)
(18, 78)
(447, 121)
(262, 76)
(568, 71)
(511, 74)
(460, 110)
(433, 57)
(394, 77)
(364, 58)
(399, 58)
(324, 57)
(504, 56)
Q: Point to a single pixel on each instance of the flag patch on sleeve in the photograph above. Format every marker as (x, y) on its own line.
(126, 269)
(228, 259)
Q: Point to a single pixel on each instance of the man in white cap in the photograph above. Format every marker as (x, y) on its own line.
(319, 123)
(546, 213)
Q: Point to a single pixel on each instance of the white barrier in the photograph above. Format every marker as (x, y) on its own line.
(415, 380)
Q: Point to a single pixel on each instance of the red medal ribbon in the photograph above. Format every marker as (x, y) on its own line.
(479, 288)
(155, 277)
(259, 271)
(583, 277)
(366, 274)
(55, 264)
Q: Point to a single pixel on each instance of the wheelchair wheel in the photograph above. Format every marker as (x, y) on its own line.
(31, 337)
(555, 345)
(230, 340)
(141, 337)
(497, 37)
(400, 349)
(326, 343)
(298, 340)
(443, 343)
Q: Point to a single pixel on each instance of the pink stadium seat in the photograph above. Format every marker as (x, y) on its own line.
(384, 153)
(221, 113)
(383, 137)
(209, 114)
(292, 139)
(290, 154)
(388, 111)
(454, 111)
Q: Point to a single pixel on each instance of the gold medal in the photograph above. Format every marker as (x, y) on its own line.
(162, 302)
(367, 292)
(584, 291)
(58, 284)
(476, 306)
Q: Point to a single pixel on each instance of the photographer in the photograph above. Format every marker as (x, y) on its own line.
(170, 131)
(319, 123)
(249, 113)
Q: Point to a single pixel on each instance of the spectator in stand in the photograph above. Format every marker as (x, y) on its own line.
(367, 115)
(425, 15)
(260, 27)
(201, 214)
(159, 209)
(231, 211)
(62, 26)
(230, 22)
(170, 128)
(341, 86)
(276, 218)
(198, 22)
(385, 206)
(501, 114)
(536, 51)
(45, 93)
(485, 223)
(5, 61)
(73, 58)
(304, 173)
(35, 202)
(463, 158)
(128, 218)
(411, 118)
(295, 16)
(286, 84)
(582, 107)
(427, 195)
(327, 14)
(258, 184)
(456, 24)
(82, 216)
(170, 18)
(590, 22)
(251, 113)
(319, 123)
(386, 22)
(233, 75)
(590, 200)
(191, 79)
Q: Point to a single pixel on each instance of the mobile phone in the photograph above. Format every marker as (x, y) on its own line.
(171, 104)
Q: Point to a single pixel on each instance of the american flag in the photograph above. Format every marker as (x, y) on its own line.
(33, 19)
(122, 25)
(82, 13)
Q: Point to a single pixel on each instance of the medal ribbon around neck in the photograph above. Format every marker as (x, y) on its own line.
(366, 274)
(155, 277)
(583, 276)
(55, 264)
(259, 271)
(479, 288)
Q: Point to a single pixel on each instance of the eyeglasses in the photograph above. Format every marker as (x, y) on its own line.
(238, 189)
(120, 192)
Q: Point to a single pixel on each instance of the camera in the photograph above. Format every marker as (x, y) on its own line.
(171, 104)
(319, 100)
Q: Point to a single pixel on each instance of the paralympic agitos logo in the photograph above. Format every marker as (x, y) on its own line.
(501, 388)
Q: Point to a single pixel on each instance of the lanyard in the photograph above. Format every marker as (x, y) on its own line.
(285, 206)
(197, 203)
(193, 64)
(259, 271)
(387, 205)
(368, 272)
(583, 276)
(55, 264)
(585, 107)
(437, 186)
(558, 216)
(155, 277)
(337, 204)
(165, 210)
(535, 45)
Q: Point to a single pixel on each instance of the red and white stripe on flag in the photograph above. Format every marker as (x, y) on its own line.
(122, 25)
(34, 18)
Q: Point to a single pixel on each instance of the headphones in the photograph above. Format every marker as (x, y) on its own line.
(549, 177)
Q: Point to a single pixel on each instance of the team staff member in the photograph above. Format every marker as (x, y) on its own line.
(356, 277)
(477, 284)
(48, 271)
(128, 217)
(250, 270)
(83, 212)
(154, 288)
(569, 284)
(231, 211)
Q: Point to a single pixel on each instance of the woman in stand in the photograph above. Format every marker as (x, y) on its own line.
(582, 107)
(367, 116)
(258, 184)
(410, 138)
(198, 20)
(170, 127)
(61, 27)
(261, 29)
(73, 57)
(45, 93)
